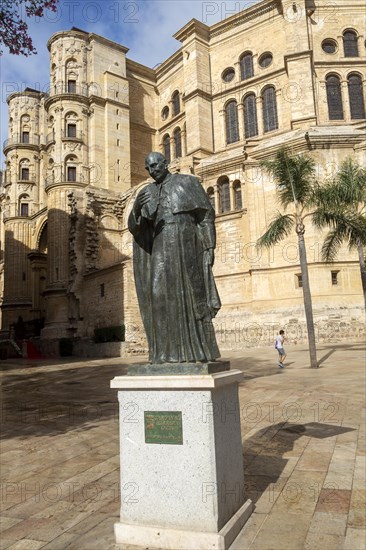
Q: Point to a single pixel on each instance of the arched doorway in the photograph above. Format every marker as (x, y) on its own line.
(38, 260)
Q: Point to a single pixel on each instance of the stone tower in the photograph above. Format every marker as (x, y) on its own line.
(24, 198)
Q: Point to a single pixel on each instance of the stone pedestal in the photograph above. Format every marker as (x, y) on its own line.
(182, 481)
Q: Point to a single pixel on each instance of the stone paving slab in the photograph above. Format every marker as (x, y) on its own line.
(303, 436)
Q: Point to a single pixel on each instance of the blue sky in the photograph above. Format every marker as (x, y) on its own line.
(144, 26)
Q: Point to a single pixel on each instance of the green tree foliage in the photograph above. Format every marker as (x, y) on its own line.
(296, 188)
(342, 208)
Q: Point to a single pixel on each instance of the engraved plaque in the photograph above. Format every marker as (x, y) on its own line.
(163, 427)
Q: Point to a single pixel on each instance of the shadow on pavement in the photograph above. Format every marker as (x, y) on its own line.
(54, 402)
(326, 356)
(263, 452)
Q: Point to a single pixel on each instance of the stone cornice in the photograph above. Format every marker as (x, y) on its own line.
(218, 164)
(303, 141)
(142, 72)
(193, 27)
(76, 98)
(27, 93)
(199, 93)
(86, 37)
(167, 65)
(177, 120)
(245, 16)
(340, 64)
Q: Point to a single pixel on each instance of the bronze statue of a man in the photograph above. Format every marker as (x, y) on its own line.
(172, 222)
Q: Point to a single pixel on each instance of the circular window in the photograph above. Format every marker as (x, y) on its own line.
(165, 113)
(329, 46)
(228, 74)
(265, 60)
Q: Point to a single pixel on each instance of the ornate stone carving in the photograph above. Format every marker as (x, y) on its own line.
(72, 203)
(99, 203)
(70, 146)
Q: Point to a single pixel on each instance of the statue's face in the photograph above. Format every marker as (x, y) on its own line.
(157, 168)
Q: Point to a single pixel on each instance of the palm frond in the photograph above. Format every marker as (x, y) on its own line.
(279, 228)
(331, 245)
(293, 175)
(349, 185)
(349, 227)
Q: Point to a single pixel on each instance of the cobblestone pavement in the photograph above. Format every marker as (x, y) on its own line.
(303, 438)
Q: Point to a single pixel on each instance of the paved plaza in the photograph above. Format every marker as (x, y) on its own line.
(303, 436)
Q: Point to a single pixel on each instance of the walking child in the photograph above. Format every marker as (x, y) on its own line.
(279, 347)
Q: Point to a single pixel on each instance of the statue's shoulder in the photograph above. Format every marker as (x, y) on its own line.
(186, 179)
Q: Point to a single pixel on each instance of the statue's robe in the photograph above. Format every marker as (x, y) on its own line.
(174, 282)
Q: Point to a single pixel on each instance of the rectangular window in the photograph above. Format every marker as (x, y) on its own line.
(334, 275)
(71, 173)
(102, 290)
(24, 209)
(25, 137)
(71, 86)
(25, 174)
(71, 130)
(298, 280)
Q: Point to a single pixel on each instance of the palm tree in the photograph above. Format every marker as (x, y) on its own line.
(343, 209)
(295, 186)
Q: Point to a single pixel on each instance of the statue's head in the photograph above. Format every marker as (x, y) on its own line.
(157, 166)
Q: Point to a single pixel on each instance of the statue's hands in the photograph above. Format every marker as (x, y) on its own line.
(141, 199)
(210, 256)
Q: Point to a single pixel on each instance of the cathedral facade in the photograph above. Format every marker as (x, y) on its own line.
(277, 73)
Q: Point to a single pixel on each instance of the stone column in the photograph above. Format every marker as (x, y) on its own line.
(222, 127)
(259, 107)
(217, 197)
(241, 121)
(345, 101)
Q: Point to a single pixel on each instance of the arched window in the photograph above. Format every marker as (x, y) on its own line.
(231, 121)
(211, 196)
(177, 143)
(165, 112)
(356, 100)
(70, 125)
(176, 103)
(350, 44)
(24, 128)
(250, 116)
(71, 75)
(224, 194)
(24, 170)
(334, 97)
(23, 205)
(166, 148)
(246, 66)
(270, 121)
(70, 168)
(238, 202)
